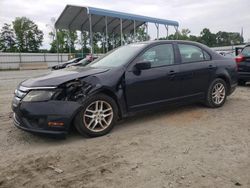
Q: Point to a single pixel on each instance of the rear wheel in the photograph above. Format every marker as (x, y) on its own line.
(217, 93)
(97, 117)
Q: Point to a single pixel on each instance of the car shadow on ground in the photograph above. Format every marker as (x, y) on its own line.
(135, 120)
(122, 125)
(154, 115)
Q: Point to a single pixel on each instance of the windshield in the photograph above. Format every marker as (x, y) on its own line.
(246, 51)
(118, 57)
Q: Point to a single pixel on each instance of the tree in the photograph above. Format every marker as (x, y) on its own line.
(7, 39)
(28, 37)
(98, 42)
(180, 35)
(228, 38)
(64, 39)
(207, 37)
(236, 38)
(184, 35)
(141, 34)
(84, 41)
(195, 38)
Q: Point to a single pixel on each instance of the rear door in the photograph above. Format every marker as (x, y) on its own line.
(156, 85)
(196, 69)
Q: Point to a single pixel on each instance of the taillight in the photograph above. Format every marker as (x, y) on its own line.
(240, 58)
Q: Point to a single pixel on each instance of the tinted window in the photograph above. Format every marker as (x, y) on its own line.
(191, 53)
(159, 55)
(118, 57)
(246, 51)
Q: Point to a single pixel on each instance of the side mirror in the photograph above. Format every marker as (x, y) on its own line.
(142, 65)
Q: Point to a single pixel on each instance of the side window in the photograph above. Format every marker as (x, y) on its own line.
(206, 56)
(159, 55)
(191, 53)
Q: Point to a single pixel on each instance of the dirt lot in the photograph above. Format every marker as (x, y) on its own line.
(190, 146)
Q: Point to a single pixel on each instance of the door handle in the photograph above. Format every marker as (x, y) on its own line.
(172, 72)
(211, 66)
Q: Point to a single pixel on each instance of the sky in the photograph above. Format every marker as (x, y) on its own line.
(217, 15)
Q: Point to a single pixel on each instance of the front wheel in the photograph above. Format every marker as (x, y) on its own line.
(97, 117)
(217, 93)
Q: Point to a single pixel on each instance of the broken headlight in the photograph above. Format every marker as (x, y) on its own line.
(39, 95)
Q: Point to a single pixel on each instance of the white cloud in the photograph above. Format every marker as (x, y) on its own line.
(216, 15)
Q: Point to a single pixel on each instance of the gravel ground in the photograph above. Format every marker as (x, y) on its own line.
(189, 146)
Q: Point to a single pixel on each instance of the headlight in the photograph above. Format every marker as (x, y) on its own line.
(39, 95)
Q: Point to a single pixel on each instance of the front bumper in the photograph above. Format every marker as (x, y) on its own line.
(36, 116)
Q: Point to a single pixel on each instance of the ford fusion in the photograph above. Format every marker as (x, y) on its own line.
(132, 78)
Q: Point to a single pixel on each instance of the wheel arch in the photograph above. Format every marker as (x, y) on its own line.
(111, 94)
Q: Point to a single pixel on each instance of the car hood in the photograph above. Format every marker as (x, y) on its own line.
(58, 77)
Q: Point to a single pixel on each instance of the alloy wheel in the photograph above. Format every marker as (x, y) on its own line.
(218, 93)
(98, 116)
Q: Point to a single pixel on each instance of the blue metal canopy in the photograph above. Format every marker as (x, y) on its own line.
(127, 16)
(92, 19)
(77, 18)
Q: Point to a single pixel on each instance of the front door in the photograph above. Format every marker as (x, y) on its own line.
(156, 85)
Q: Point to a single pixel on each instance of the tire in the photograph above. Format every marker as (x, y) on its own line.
(91, 121)
(241, 83)
(215, 98)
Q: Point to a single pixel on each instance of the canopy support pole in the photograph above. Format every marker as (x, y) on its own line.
(57, 47)
(176, 30)
(82, 42)
(69, 44)
(134, 31)
(106, 26)
(166, 26)
(121, 31)
(157, 27)
(90, 34)
(103, 43)
(113, 39)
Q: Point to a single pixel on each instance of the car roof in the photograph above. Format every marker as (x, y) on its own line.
(204, 47)
(163, 41)
(172, 41)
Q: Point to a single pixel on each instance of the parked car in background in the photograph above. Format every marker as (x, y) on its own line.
(131, 78)
(229, 54)
(84, 61)
(63, 65)
(243, 61)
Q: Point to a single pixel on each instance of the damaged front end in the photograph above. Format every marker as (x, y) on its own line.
(49, 110)
(75, 90)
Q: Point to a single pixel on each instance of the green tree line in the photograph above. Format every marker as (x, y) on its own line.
(208, 38)
(23, 35)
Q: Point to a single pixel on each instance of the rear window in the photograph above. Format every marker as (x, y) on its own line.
(246, 51)
(191, 53)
